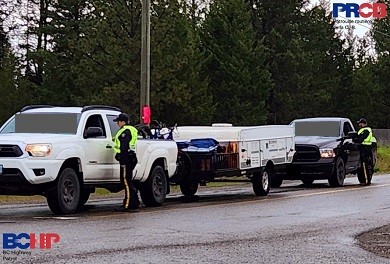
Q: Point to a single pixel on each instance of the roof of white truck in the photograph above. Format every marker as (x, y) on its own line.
(67, 109)
(55, 110)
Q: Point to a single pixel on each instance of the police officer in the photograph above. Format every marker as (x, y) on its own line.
(125, 142)
(366, 139)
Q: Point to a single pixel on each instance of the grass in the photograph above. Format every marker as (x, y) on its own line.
(383, 163)
(22, 199)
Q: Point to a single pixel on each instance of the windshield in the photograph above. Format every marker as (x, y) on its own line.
(317, 128)
(50, 123)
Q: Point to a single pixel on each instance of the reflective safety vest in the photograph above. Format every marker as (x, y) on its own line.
(368, 140)
(133, 141)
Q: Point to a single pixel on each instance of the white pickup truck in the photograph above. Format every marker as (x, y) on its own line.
(63, 153)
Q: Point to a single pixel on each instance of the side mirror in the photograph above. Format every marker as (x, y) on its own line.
(93, 132)
(352, 134)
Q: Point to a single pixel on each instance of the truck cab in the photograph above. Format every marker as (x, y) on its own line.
(324, 151)
(64, 153)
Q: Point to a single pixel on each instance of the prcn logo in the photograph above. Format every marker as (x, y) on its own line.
(365, 10)
(29, 241)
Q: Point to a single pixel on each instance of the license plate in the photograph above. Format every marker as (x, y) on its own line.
(1, 169)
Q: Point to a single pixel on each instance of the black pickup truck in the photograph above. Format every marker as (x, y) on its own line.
(324, 151)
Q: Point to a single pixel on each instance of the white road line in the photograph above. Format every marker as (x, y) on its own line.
(336, 191)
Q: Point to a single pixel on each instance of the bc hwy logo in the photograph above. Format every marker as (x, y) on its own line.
(29, 241)
(365, 10)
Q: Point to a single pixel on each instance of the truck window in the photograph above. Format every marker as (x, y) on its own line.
(9, 128)
(42, 122)
(317, 128)
(95, 121)
(113, 126)
(347, 128)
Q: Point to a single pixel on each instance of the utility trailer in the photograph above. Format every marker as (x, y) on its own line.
(221, 152)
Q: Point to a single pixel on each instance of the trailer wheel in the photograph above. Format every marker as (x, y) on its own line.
(338, 175)
(189, 188)
(154, 190)
(64, 196)
(261, 182)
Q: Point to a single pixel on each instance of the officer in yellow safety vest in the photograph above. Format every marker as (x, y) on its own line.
(366, 138)
(125, 142)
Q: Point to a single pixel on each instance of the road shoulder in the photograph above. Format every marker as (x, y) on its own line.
(376, 241)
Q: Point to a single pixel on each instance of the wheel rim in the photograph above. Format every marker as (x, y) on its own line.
(68, 193)
(158, 186)
(264, 180)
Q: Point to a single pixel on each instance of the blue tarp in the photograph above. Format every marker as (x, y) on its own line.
(199, 145)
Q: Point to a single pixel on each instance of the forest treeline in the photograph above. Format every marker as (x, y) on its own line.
(247, 62)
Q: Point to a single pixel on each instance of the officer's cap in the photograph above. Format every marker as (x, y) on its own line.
(362, 121)
(122, 117)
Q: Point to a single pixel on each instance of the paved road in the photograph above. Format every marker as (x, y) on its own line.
(292, 225)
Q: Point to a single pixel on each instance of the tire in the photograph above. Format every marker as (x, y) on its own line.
(338, 176)
(261, 182)
(154, 190)
(64, 196)
(276, 182)
(307, 182)
(189, 188)
(369, 170)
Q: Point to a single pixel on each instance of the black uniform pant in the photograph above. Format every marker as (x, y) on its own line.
(366, 157)
(131, 200)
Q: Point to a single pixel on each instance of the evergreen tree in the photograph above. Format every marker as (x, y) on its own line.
(235, 64)
(380, 71)
(179, 92)
(12, 88)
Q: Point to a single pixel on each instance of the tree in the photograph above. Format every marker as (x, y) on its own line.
(235, 64)
(373, 78)
(179, 91)
(12, 88)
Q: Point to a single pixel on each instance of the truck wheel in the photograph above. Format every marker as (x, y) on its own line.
(338, 175)
(369, 171)
(64, 196)
(154, 190)
(308, 182)
(260, 182)
(189, 188)
(276, 182)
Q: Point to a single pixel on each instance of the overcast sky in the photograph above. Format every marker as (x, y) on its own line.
(360, 29)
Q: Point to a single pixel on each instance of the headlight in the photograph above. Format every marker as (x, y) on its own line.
(38, 150)
(327, 153)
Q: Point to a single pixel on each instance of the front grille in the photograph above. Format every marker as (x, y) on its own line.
(10, 151)
(11, 176)
(306, 153)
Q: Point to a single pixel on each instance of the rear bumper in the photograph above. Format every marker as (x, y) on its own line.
(321, 169)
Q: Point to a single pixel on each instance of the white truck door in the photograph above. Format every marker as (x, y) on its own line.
(98, 154)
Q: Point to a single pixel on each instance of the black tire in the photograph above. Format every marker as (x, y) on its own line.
(189, 188)
(338, 176)
(307, 182)
(369, 171)
(64, 196)
(261, 182)
(276, 182)
(154, 190)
